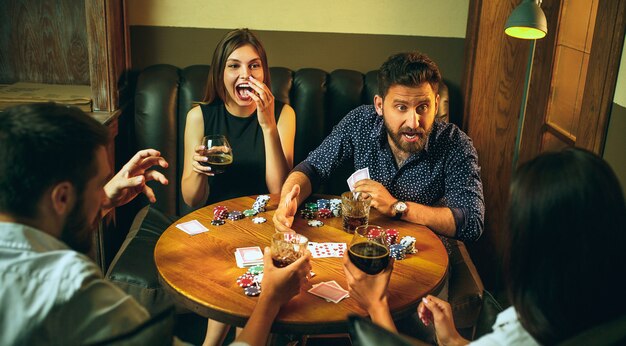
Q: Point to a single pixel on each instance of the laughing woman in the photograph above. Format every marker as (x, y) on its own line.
(238, 103)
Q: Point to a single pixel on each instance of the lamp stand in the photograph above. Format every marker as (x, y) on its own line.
(522, 111)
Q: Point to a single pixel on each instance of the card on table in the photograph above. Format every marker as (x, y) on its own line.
(329, 292)
(321, 250)
(248, 256)
(363, 173)
(192, 227)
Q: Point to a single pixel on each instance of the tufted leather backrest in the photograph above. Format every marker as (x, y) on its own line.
(165, 93)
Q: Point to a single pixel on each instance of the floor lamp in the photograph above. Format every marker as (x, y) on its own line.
(528, 22)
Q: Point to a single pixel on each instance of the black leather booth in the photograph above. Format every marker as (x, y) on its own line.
(163, 96)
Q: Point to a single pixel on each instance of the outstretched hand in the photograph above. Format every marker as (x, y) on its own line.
(439, 312)
(286, 211)
(132, 178)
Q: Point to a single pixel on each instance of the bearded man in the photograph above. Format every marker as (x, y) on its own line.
(55, 185)
(422, 171)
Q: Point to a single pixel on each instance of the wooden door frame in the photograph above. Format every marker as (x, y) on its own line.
(608, 39)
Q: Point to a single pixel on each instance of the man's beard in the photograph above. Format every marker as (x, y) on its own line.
(77, 232)
(408, 147)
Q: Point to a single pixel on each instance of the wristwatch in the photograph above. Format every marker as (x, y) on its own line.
(400, 208)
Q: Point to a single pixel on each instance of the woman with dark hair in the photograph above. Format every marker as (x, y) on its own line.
(565, 240)
(239, 104)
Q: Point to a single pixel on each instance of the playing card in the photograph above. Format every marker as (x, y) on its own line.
(328, 292)
(192, 227)
(248, 256)
(363, 173)
(321, 250)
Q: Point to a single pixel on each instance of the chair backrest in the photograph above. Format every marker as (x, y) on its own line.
(165, 93)
(158, 330)
(363, 332)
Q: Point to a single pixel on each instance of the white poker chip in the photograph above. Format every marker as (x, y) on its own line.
(316, 223)
(259, 219)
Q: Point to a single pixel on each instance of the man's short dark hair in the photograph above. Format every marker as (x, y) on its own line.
(41, 145)
(408, 69)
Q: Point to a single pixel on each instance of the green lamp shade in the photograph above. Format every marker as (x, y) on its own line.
(527, 21)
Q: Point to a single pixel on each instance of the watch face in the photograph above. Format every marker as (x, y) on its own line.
(400, 207)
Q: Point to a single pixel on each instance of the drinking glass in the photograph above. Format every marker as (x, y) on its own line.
(355, 209)
(368, 249)
(218, 152)
(287, 247)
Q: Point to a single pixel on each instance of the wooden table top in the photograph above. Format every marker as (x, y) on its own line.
(201, 272)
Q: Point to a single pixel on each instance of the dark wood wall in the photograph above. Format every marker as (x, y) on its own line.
(45, 43)
(492, 87)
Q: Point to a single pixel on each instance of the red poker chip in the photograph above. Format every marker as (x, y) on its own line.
(245, 282)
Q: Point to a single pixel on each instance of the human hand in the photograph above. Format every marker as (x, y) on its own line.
(132, 178)
(439, 312)
(282, 284)
(198, 158)
(382, 200)
(286, 211)
(370, 291)
(264, 100)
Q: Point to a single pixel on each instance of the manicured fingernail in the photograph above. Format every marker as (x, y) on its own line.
(425, 300)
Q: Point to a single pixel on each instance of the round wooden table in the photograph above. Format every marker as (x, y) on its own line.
(201, 271)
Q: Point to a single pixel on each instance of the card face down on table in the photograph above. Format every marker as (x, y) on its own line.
(248, 256)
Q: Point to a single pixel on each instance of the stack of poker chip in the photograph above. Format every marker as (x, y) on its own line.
(323, 204)
(409, 244)
(397, 252)
(307, 214)
(335, 207)
(373, 234)
(260, 203)
(220, 212)
(324, 213)
(235, 215)
(391, 236)
(251, 281)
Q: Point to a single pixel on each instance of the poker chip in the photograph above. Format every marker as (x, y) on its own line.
(220, 212)
(315, 223)
(310, 206)
(245, 281)
(235, 215)
(218, 222)
(409, 244)
(373, 233)
(252, 291)
(397, 251)
(391, 236)
(307, 214)
(250, 212)
(259, 219)
(323, 204)
(324, 213)
(255, 270)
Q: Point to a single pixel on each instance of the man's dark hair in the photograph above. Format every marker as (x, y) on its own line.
(565, 243)
(408, 69)
(41, 145)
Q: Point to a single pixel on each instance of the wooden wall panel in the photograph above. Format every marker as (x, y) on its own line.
(46, 43)
(492, 92)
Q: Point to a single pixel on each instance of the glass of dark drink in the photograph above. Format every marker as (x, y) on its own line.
(355, 209)
(218, 152)
(369, 250)
(287, 247)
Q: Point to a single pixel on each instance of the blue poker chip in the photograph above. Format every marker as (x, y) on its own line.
(252, 291)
